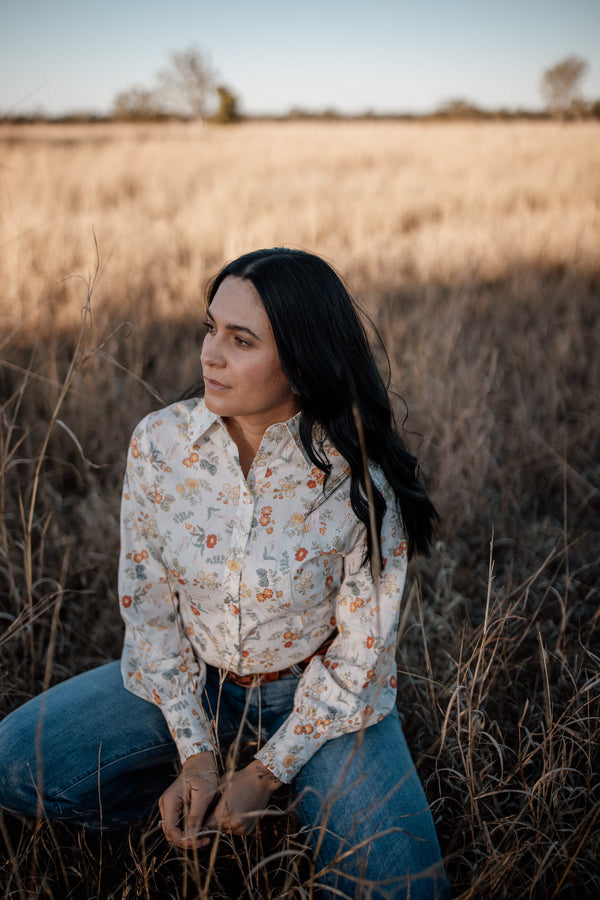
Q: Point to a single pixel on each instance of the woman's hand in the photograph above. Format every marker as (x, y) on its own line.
(184, 804)
(245, 796)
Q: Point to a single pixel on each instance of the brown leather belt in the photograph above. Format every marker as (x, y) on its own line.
(265, 677)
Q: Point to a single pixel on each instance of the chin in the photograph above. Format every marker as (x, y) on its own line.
(212, 403)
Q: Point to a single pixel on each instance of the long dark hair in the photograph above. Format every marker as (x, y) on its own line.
(325, 354)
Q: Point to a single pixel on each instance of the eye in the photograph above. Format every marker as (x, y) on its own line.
(241, 342)
(209, 327)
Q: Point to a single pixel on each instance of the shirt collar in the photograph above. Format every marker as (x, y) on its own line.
(201, 419)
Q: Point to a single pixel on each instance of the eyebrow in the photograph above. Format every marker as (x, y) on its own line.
(233, 327)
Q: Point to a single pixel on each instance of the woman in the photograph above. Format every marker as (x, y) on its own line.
(261, 574)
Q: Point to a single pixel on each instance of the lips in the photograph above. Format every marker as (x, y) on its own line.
(212, 385)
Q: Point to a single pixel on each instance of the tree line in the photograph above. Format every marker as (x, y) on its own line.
(188, 87)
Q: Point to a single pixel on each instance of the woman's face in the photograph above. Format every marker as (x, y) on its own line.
(242, 374)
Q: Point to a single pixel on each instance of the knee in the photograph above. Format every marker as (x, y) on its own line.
(19, 779)
(371, 852)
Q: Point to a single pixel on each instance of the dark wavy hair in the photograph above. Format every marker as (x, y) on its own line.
(325, 354)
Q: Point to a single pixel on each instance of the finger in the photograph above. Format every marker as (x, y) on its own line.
(171, 808)
(201, 795)
(224, 818)
(198, 802)
(218, 819)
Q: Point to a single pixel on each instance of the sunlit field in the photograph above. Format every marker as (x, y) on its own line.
(475, 249)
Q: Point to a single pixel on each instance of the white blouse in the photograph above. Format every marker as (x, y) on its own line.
(252, 575)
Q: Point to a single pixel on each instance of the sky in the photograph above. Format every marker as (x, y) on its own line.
(402, 56)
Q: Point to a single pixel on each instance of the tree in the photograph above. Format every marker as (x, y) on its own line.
(227, 112)
(188, 83)
(137, 103)
(560, 84)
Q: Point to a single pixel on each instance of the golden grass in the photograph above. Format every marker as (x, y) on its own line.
(475, 249)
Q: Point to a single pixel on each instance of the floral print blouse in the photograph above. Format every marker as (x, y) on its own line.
(252, 575)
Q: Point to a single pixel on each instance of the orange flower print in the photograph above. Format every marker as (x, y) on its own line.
(316, 477)
(135, 452)
(190, 460)
(356, 604)
(265, 515)
(126, 601)
(328, 580)
(393, 682)
(304, 729)
(369, 710)
(370, 641)
(370, 678)
(139, 557)
(156, 696)
(301, 554)
(267, 594)
(211, 541)
(400, 550)
(290, 637)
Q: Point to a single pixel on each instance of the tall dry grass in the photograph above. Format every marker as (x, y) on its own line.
(475, 249)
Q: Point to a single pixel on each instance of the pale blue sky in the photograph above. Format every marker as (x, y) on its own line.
(386, 55)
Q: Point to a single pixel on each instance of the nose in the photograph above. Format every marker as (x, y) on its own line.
(211, 354)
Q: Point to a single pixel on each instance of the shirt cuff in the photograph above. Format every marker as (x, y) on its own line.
(292, 746)
(188, 725)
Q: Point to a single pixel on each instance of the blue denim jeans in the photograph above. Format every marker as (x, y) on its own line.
(90, 752)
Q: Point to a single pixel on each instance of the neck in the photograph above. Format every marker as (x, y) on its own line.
(246, 442)
(247, 434)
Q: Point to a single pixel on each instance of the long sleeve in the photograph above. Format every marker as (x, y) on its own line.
(250, 574)
(157, 663)
(354, 684)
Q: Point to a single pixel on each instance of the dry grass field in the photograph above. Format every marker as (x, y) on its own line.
(475, 248)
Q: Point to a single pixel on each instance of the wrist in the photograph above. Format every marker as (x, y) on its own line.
(200, 764)
(265, 776)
